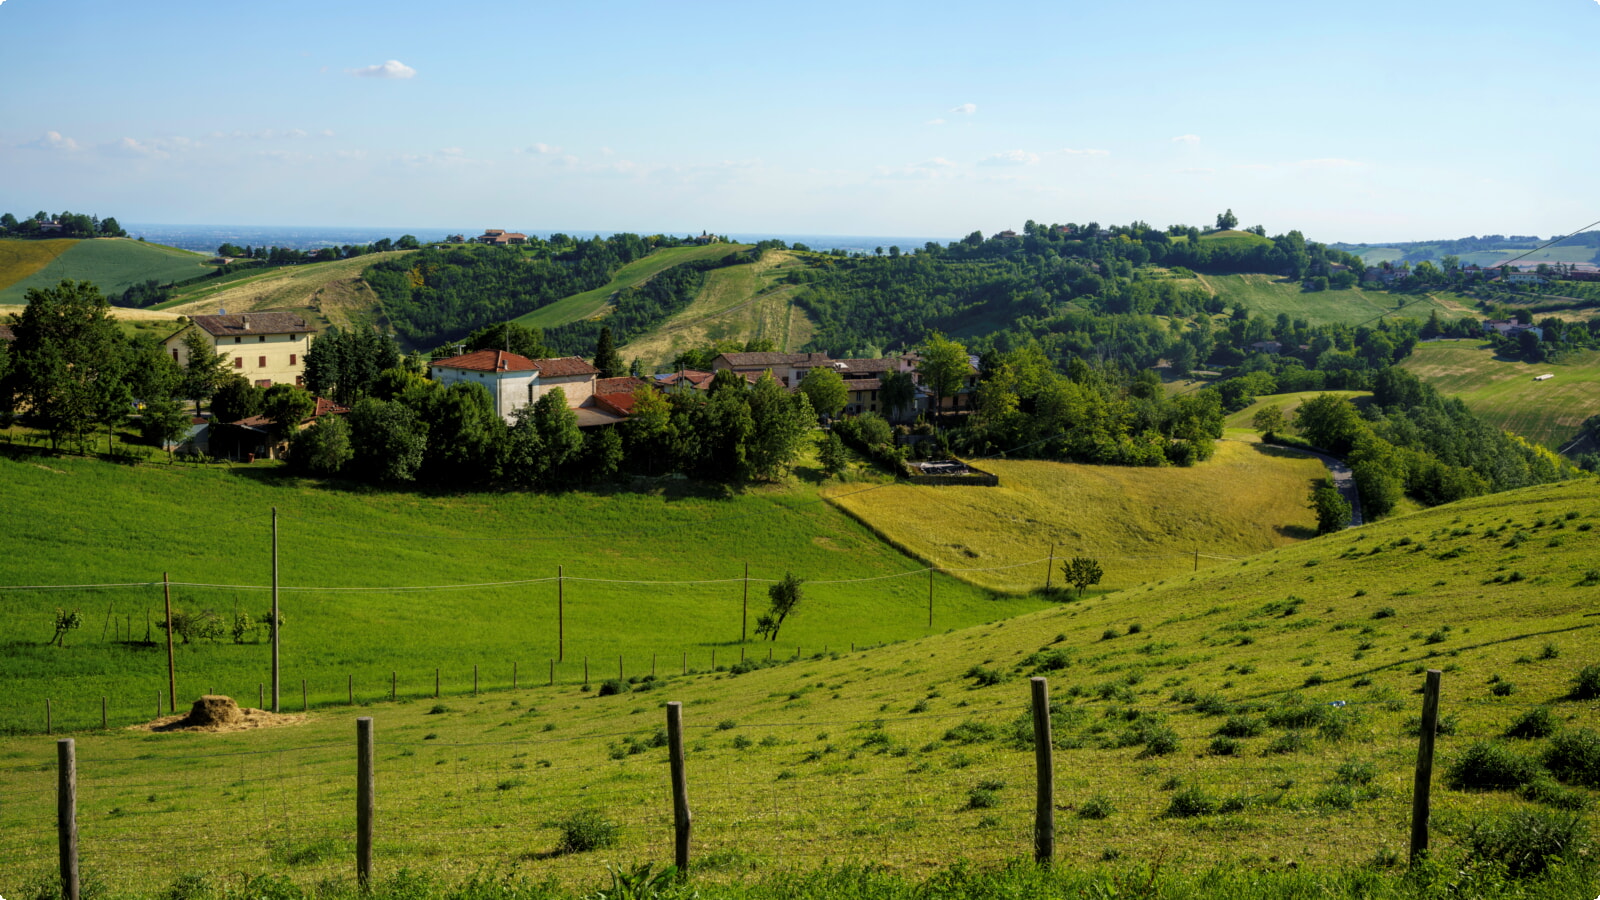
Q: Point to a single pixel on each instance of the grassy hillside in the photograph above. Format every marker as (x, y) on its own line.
(1253, 716)
(211, 526)
(115, 264)
(590, 303)
(325, 293)
(1237, 425)
(737, 303)
(1142, 524)
(1270, 295)
(20, 259)
(1504, 393)
(1234, 238)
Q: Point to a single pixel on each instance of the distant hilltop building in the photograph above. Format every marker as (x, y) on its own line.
(501, 237)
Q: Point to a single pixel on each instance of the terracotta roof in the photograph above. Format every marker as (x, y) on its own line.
(489, 361)
(862, 384)
(564, 365)
(616, 402)
(866, 365)
(6, 334)
(623, 385)
(251, 323)
(741, 360)
(695, 378)
(326, 407)
(590, 416)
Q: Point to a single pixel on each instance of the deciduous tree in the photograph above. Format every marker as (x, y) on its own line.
(1082, 572)
(824, 386)
(785, 596)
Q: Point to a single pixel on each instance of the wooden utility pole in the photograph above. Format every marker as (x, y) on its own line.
(930, 595)
(275, 618)
(744, 615)
(1050, 567)
(1197, 559)
(681, 819)
(366, 803)
(561, 615)
(1044, 813)
(1422, 787)
(172, 672)
(67, 816)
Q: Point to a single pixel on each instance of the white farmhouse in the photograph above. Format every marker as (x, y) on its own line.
(516, 381)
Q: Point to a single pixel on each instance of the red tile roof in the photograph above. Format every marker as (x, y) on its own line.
(563, 366)
(489, 361)
(623, 385)
(251, 323)
(619, 403)
(326, 407)
(767, 360)
(694, 377)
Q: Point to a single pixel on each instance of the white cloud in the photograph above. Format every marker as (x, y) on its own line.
(544, 149)
(934, 122)
(1186, 139)
(394, 68)
(966, 109)
(53, 140)
(1010, 158)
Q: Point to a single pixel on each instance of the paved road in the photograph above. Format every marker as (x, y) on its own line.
(1343, 478)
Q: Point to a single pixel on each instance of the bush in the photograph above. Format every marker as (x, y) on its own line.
(974, 732)
(1225, 746)
(1097, 807)
(1488, 766)
(1546, 790)
(1190, 802)
(1159, 741)
(1291, 742)
(612, 686)
(985, 676)
(585, 830)
(1527, 842)
(1241, 727)
(1586, 684)
(1574, 757)
(1535, 723)
(1354, 772)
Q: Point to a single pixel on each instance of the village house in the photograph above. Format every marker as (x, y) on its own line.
(259, 436)
(1272, 347)
(1511, 328)
(788, 368)
(267, 348)
(500, 237)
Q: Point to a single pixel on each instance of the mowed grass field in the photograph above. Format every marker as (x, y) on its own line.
(325, 293)
(1269, 295)
(1237, 425)
(20, 259)
(1142, 524)
(374, 581)
(115, 264)
(1271, 699)
(590, 303)
(1504, 393)
(737, 303)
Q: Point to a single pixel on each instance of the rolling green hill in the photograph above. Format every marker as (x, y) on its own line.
(115, 264)
(591, 303)
(1254, 717)
(1504, 393)
(325, 293)
(1270, 295)
(738, 303)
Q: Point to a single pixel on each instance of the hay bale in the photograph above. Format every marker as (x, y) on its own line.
(211, 711)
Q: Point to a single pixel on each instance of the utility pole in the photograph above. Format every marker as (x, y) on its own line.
(172, 675)
(275, 617)
(561, 615)
(744, 615)
(1050, 567)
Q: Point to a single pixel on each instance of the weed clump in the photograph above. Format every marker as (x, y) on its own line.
(1574, 757)
(613, 686)
(1586, 684)
(1527, 842)
(1535, 723)
(1189, 803)
(1097, 807)
(585, 830)
(1488, 766)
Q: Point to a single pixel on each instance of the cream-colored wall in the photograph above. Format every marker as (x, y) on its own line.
(509, 389)
(577, 388)
(277, 348)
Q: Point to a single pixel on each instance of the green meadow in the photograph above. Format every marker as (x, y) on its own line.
(590, 303)
(1254, 721)
(1504, 393)
(115, 264)
(375, 582)
(1269, 295)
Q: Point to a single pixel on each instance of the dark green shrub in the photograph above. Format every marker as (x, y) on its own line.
(1336, 796)
(1502, 689)
(1586, 684)
(1535, 723)
(1289, 742)
(1527, 842)
(1444, 726)
(1225, 746)
(1574, 757)
(1355, 772)
(612, 686)
(1159, 741)
(1386, 612)
(1241, 727)
(985, 676)
(1097, 807)
(1488, 766)
(584, 831)
(1190, 802)
(1548, 791)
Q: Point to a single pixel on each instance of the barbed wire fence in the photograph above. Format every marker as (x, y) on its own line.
(909, 792)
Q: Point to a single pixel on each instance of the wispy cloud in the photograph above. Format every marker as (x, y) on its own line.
(394, 68)
(966, 109)
(53, 140)
(1010, 158)
(543, 149)
(937, 167)
(1190, 139)
(934, 122)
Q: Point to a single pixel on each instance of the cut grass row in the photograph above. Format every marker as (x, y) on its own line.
(213, 526)
(1268, 295)
(1255, 715)
(1503, 391)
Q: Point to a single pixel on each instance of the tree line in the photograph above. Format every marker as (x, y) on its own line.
(70, 225)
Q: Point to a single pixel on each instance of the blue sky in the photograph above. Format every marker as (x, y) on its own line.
(1357, 121)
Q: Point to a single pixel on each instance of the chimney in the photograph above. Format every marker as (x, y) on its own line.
(246, 320)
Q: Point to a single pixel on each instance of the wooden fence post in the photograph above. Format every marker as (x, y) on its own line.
(365, 802)
(513, 674)
(1423, 785)
(158, 704)
(685, 662)
(1044, 812)
(435, 684)
(681, 820)
(394, 685)
(619, 667)
(1050, 567)
(713, 659)
(261, 695)
(586, 670)
(474, 679)
(305, 698)
(552, 673)
(350, 690)
(47, 712)
(67, 816)
(103, 721)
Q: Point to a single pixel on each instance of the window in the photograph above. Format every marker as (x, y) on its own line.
(174, 354)
(262, 339)
(299, 381)
(238, 362)
(264, 383)
(237, 339)
(293, 358)
(263, 363)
